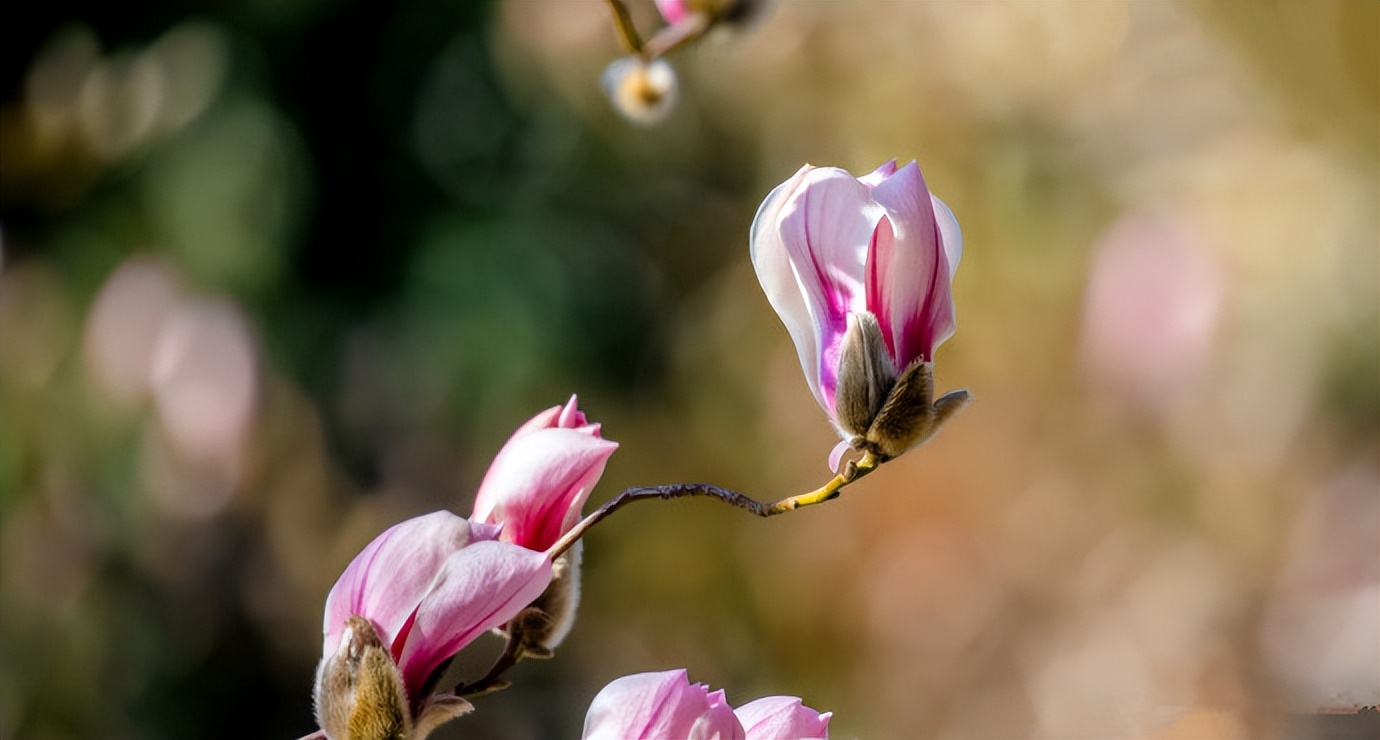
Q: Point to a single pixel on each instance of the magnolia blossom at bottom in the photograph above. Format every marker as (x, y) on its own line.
(666, 706)
(414, 597)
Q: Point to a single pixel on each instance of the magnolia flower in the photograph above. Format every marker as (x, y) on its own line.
(412, 599)
(859, 269)
(535, 491)
(666, 705)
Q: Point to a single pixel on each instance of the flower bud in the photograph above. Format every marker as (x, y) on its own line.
(535, 491)
(866, 376)
(644, 92)
(359, 690)
(910, 414)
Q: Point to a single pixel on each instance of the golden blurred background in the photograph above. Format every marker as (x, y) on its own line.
(277, 275)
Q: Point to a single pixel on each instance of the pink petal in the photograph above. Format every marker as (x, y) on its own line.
(388, 579)
(571, 416)
(782, 718)
(875, 177)
(490, 503)
(539, 482)
(671, 10)
(826, 230)
(879, 295)
(568, 416)
(478, 588)
(909, 275)
(650, 705)
(836, 456)
(718, 722)
(949, 231)
(944, 322)
(543, 420)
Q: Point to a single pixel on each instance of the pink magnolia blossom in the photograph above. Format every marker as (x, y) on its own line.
(666, 705)
(414, 597)
(539, 482)
(860, 269)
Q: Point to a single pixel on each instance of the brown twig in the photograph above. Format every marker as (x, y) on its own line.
(851, 472)
(676, 35)
(493, 680)
(513, 651)
(627, 32)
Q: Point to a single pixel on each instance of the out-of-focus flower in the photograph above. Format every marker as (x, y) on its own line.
(644, 92)
(1154, 302)
(535, 490)
(124, 327)
(205, 379)
(860, 269)
(667, 705)
(676, 11)
(412, 599)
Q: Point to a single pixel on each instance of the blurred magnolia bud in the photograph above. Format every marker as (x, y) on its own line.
(644, 92)
(727, 11)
